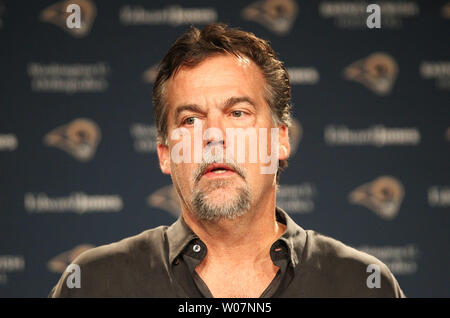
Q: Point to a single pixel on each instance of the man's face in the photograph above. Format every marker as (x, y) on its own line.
(221, 92)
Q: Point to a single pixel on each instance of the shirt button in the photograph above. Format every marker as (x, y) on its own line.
(196, 248)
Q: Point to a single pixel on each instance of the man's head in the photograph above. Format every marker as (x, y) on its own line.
(221, 78)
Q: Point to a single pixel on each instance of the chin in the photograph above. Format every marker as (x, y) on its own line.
(221, 195)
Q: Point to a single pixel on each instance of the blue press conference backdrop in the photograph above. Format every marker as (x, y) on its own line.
(371, 137)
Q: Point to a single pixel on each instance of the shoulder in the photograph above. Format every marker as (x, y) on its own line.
(148, 243)
(113, 264)
(324, 248)
(348, 271)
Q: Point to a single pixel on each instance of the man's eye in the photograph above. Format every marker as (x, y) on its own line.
(237, 113)
(189, 121)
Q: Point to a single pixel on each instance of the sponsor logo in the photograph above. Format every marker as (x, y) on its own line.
(68, 78)
(173, 15)
(439, 71)
(303, 75)
(150, 74)
(165, 199)
(276, 15)
(353, 14)
(8, 142)
(383, 196)
(78, 138)
(379, 136)
(10, 264)
(445, 11)
(59, 263)
(297, 198)
(377, 72)
(145, 137)
(439, 196)
(401, 260)
(77, 202)
(58, 15)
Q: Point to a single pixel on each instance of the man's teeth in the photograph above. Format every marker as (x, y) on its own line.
(219, 171)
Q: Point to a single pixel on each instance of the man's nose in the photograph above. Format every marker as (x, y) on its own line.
(214, 133)
(213, 143)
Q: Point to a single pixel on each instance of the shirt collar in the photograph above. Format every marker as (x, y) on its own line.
(294, 237)
(179, 234)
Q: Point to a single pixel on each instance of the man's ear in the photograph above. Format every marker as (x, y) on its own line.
(283, 143)
(164, 157)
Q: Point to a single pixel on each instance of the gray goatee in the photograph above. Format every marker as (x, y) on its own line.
(235, 206)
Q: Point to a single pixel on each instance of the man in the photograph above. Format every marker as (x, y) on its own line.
(231, 240)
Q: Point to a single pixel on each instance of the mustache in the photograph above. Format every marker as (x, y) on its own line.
(203, 166)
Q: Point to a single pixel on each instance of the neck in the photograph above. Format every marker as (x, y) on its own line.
(245, 238)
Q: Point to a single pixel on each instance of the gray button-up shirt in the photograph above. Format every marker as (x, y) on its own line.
(161, 262)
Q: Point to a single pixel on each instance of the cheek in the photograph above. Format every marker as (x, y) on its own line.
(254, 175)
(257, 180)
(182, 174)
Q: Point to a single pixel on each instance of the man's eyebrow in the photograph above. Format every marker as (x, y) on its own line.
(191, 107)
(235, 100)
(228, 103)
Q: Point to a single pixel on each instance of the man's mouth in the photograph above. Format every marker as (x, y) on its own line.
(218, 170)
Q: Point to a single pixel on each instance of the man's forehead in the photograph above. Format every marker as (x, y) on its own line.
(226, 70)
(217, 77)
(219, 61)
